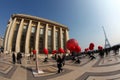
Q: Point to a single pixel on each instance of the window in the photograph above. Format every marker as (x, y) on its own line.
(15, 36)
(41, 31)
(23, 38)
(33, 30)
(49, 32)
(41, 40)
(57, 39)
(49, 41)
(32, 38)
(63, 39)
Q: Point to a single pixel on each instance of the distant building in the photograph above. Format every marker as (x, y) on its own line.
(25, 33)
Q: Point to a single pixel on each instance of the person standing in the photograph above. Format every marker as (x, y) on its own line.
(19, 57)
(101, 54)
(13, 58)
(59, 64)
(77, 60)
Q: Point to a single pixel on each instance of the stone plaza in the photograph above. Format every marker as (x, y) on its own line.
(107, 68)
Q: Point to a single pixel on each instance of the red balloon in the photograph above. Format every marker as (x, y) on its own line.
(45, 51)
(34, 51)
(91, 46)
(71, 44)
(54, 51)
(77, 49)
(86, 49)
(72, 48)
(100, 48)
(61, 50)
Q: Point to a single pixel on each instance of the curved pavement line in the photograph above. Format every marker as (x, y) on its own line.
(114, 78)
(76, 71)
(9, 73)
(30, 76)
(105, 65)
(87, 74)
(78, 65)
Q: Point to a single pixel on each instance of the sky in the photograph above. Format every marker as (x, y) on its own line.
(84, 18)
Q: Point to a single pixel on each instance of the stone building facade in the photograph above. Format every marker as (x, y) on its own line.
(25, 33)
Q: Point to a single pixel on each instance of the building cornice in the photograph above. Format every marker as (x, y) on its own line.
(39, 19)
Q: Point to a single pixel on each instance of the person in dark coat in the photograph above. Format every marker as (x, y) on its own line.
(73, 56)
(106, 51)
(116, 50)
(59, 64)
(19, 57)
(101, 53)
(77, 60)
(13, 58)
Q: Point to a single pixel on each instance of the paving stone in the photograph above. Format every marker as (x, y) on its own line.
(107, 68)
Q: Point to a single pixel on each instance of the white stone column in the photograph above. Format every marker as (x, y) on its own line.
(28, 38)
(46, 36)
(66, 35)
(7, 35)
(36, 46)
(53, 38)
(61, 43)
(10, 35)
(18, 39)
(37, 37)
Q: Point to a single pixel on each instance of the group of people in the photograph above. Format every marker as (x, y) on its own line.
(60, 59)
(91, 56)
(19, 57)
(104, 52)
(75, 58)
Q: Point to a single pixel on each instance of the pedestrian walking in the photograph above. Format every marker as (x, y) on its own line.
(13, 58)
(101, 54)
(77, 60)
(59, 64)
(106, 51)
(19, 57)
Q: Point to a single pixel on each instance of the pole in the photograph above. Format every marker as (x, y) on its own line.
(36, 61)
